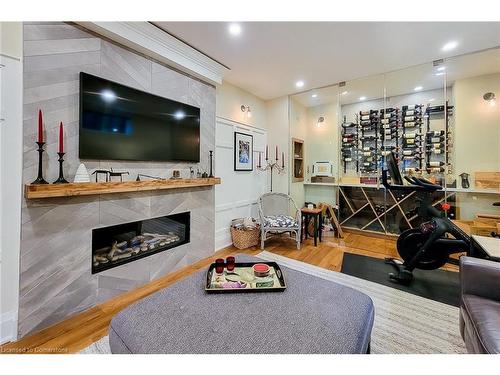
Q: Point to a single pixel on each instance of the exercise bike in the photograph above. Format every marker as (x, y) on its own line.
(429, 246)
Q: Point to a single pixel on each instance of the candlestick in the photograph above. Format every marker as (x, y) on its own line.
(61, 179)
(40, 180)
(40, 126)
(211, 175)
(61, 138)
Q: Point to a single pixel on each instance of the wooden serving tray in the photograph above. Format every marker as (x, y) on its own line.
(243, 276)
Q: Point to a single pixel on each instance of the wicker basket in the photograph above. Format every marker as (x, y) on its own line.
(245, 238)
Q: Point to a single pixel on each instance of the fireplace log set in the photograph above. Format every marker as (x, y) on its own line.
(138, 244)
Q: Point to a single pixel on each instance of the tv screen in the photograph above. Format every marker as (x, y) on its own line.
(121, 123)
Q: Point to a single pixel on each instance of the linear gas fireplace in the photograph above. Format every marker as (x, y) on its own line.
(119, 244)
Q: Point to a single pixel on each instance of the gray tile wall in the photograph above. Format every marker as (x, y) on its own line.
(55, 275)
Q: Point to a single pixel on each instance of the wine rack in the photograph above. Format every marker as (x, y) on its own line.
(384, 211)
(350, 144)
(420, 143)
(412, 142)
(438, 141)
(368, 151)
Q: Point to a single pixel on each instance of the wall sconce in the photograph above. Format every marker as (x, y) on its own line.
(490, 98)
(246, 108)
(320, 122)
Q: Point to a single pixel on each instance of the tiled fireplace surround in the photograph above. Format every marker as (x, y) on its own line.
(55, 273)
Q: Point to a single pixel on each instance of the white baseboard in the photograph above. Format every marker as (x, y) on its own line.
(8, 327)
(222, 239)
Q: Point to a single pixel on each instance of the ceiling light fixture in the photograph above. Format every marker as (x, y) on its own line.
(299, 84)
(234, 29)
(418, 88)
(179, 115)
(362, 98)
(450, 45)
(314, 95)
(343, 93)
(490, 98)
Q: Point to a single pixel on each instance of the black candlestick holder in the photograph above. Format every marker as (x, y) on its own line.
(40, 180)
(211, 175)
(61, 179)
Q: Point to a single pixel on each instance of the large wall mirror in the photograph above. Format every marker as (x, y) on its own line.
(442, 121)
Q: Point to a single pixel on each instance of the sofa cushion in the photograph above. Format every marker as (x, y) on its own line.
(280, 221)
(482, 323)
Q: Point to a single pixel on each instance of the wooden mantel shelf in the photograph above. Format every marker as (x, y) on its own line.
(93, 188)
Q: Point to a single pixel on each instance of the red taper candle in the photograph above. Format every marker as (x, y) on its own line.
(276, 153)
(61, 142)
(40, 126)
(259, 159)
(282, 160)
(267, 152)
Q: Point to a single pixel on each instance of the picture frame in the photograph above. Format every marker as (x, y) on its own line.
(243, 152)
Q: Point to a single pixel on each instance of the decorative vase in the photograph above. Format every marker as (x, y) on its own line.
(82, 174)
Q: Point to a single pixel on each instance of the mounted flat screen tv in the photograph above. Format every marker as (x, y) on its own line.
(121, 123)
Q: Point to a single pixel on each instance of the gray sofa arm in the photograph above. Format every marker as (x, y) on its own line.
(480, 277)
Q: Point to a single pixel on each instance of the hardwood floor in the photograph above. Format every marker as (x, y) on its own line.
(79, 331)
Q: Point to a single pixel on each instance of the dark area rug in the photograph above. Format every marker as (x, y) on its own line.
(439, 285)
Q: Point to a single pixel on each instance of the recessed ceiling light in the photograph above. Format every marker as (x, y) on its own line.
(344, 92)
(234, 29)
(362, 97)
(450, 45)
(418, 88)
(314, 95)
(441, 68)
(299, 84)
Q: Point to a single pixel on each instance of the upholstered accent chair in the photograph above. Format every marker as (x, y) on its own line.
(279, 214)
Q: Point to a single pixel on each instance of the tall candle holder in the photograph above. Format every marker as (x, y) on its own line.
(271, 166)
(61, 179)
(211, 175)
(40, 180)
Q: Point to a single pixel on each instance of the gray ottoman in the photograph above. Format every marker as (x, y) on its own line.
(311, 316)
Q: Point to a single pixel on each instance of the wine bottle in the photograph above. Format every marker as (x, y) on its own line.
(365, 117)
(368, 138)
(435, 170)
(411, 152)
(437, 151)
(412, 170)
(348, 159)
(435, 133)
(411, 135)
(434, 145)
(413, 157)
(368, 148)
(431, 164)
(435, 140)
(367, 153)
(348, 125)
(410, 124)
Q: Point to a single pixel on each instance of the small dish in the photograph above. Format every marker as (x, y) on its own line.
(261, 270)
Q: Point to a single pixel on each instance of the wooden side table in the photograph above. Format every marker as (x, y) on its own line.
(316, 214)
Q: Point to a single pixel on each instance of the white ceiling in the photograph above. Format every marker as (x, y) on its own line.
(267, 58)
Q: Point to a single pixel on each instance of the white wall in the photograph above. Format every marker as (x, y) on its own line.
(229, 101)
(279, 135)
(10, 174)
(237, 195)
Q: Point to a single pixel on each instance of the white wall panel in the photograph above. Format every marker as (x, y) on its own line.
(237, 195)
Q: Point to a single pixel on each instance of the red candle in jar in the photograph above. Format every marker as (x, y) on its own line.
(219, 266)
(230, 264)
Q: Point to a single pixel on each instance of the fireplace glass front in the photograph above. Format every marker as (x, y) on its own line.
(119, 244)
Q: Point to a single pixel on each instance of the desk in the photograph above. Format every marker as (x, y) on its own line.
(316, 213)
(485, 247)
